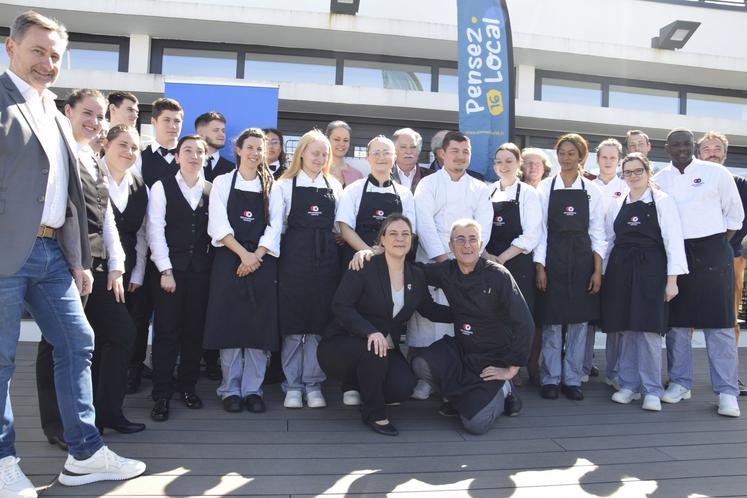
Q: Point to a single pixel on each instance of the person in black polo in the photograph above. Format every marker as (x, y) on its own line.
(180, 248)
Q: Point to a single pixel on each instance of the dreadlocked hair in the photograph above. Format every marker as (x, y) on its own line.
(263, 170)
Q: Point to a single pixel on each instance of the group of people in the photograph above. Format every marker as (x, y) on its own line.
(307, 262)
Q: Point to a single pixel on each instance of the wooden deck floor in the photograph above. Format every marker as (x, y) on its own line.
(553, 449)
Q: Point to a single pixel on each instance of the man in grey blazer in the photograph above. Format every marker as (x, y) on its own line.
(45, 253)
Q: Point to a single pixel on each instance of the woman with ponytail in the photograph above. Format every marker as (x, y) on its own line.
(245, 226)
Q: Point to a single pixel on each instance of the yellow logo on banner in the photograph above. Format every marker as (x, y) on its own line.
(495, 102)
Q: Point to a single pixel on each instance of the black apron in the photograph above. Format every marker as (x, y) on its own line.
(506, 227)
(242, 311)
(636, 276)
(706, 297)
(569, 260)
(309, 265)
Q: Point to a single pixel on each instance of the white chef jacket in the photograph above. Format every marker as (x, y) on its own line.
(283, 189)
(350, 201)
(615, 189)
(530, 213)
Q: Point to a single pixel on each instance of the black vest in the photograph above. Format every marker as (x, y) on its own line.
(130, 220)
(155, 167)
(96, 196)
(186, 230)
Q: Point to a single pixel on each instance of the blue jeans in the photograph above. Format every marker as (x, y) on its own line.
(45, 286)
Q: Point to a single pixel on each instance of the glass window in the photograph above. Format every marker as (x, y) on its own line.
(85, 55)
(291, 141)
(571, 92)
(211, 63)
(3, 54)
(360, 152)
(389, 76)
(448, 80)
(289, 68)
(644, 99)
(717, 106)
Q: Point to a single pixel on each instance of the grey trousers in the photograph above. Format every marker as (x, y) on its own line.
(553, 366)
(722, 358)
(591, 333)
(640, 362)
(611, 351)
(300, 366)
(243, 372)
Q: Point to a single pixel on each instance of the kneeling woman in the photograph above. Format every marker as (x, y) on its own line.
(647, 254)
(371, 308)
(242, 308)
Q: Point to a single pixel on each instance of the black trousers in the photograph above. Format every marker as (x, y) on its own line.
(178, 328)
(140, 307)
(380, 380)
(114, 334)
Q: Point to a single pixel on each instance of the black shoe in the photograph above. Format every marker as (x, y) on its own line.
(191, 400)
(593, 371)
(550, 391)
(386, 430)
(232, 404)
(512, 405)
(133, 379)
(57, 440)
(160, 412)
(254, 403)
(447, 410)
(573, 392)
(124, 426)
(213, 372)
(742, 389)
(147, 372)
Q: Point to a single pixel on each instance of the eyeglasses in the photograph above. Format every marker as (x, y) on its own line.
(633, 172)
(381, 153)
(274, 142)
(461, 240)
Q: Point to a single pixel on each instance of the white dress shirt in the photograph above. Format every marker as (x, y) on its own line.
(43, 112)
(283, 189)
(154, 146)
(350, 201)
(530, 213)
(615, 189)
(156, 229)
(669, 224)
(706, 196)
(439, 202)
(114, 251)
(596, 215)
(219, 226)
(119, 195)
(404, 179)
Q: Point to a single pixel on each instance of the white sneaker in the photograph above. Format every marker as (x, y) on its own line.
(651, 403)
(422, 390)
(351, 398)
(727, 405)
(625, 396)
(13, 482)
(104, 465)
(615, 383)
(293, 399)
(315, 399)
(584, 378)
(675, 393)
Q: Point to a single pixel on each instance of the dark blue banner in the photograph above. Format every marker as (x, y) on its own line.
(243, 106)
(486, 97)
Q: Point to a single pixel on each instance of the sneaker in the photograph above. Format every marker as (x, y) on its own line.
(422, 390)
(13, 482)
(651, 403)
(675, 393)
(742, 388)
(625, 396)
(614, 383)
(727, 405)
(584, 378)
(315, 399)
(104, 465)
(351, 398)
(293, 399)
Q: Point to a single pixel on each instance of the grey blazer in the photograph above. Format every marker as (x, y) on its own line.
(24, 167)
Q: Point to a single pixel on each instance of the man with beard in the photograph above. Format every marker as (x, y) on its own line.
(212, 127)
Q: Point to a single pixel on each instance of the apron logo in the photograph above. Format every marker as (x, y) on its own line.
(314, 211)
(379, 214)
(499, 221)
(466, 329)
(634, 222)
(569, 211)
(247, 216)
(697, 182)
(617, 194)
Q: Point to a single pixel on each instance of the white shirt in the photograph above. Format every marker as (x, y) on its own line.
(284, 190)
(219, 226)
(530, 213)
(154, 146)
(596, 215)
(156, 229)
(351, 197)
(615, 189)
(114, 251)
(404, 179)
(706, 196)
(274, 166)
(439, 202)
(669, 224)
(43, 112)
(119, 194)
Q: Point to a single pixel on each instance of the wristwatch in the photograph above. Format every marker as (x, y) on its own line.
(166, 273)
